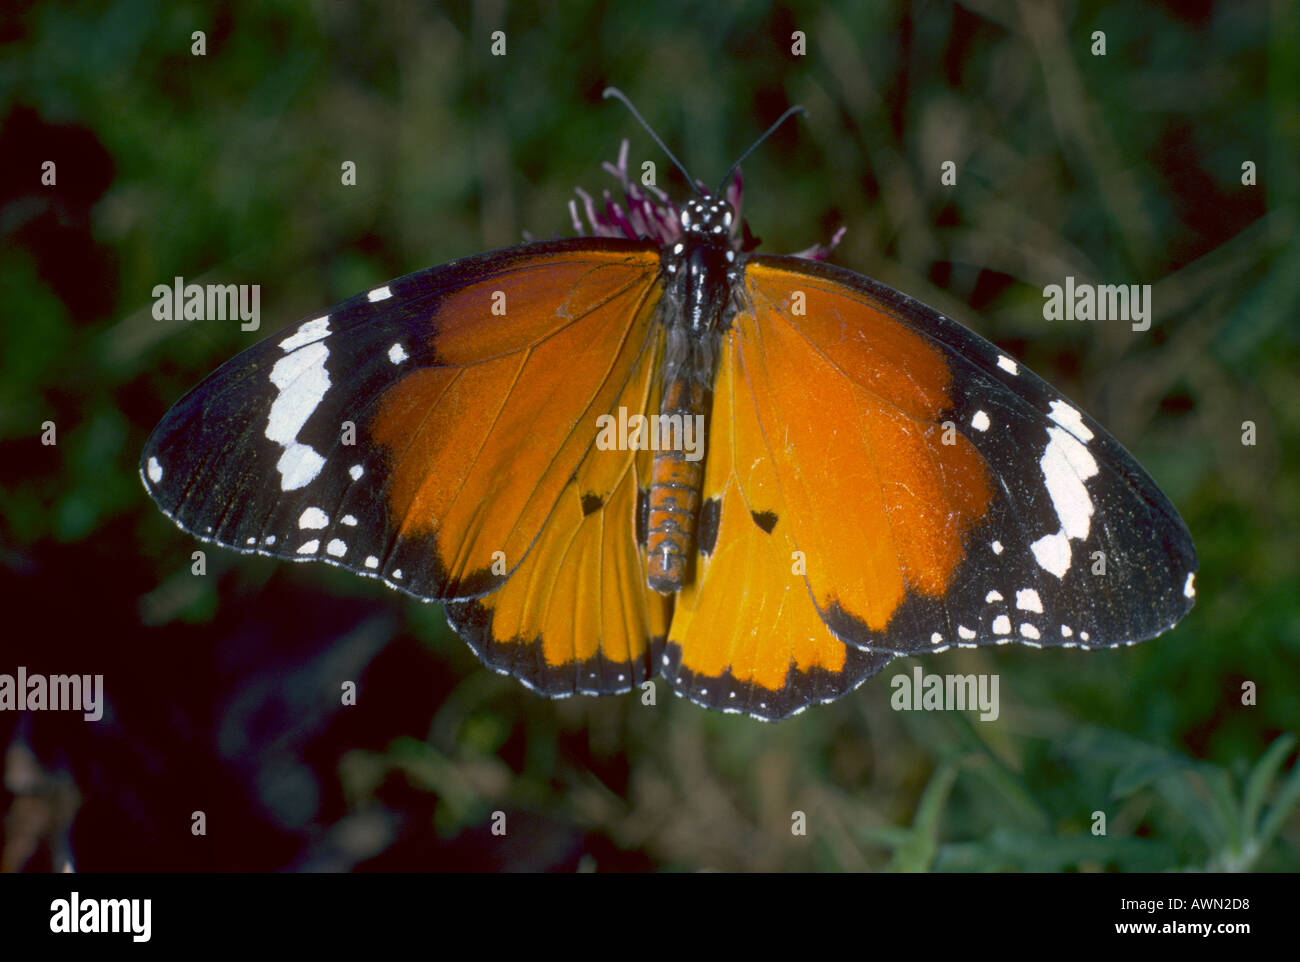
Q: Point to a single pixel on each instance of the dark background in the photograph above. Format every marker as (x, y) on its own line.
(223, 690)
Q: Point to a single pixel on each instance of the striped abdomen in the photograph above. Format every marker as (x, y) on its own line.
(675, 483)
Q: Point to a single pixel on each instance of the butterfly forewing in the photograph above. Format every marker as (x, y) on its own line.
(421, 432)
(946, 496)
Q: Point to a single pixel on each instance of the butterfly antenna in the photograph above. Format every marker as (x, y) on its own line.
(619, 95)
(770, 131)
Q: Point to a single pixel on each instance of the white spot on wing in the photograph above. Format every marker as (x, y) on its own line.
(1029, 631)
(980, 422)
(397, 573)
(1066, 464)
(1027, 600)
(1189, 589)
(298, 466)
(997, 547)
(355, 472)
(155, 470)
(309, 547)
(1008, 365)
(993, 596)
(397, 354)
(301, 380)
(313, 518)
(1052, 553)
(350, 520)
(380, 294)
(1065, 631)
(372, 561)
(313, 330)
(936, 638)
(1070, 419)
(1001, 625)
(965, 632)
(337, 548)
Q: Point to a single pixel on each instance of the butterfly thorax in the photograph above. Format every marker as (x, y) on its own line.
(701, 271)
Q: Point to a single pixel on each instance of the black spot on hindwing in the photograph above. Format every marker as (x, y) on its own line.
(591, 503)
(710, 515)
(764, 519)
(642, 515)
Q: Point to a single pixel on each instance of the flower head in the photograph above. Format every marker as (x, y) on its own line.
(647, 213)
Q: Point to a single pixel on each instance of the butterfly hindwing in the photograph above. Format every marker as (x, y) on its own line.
(746, 636)
(576, 617)
(421, 432)
(945, 495)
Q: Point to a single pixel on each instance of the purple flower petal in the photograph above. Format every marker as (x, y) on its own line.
(647, 213)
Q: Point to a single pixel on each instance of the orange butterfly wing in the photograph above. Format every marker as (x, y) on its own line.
(745, 635)
(576, 617)
(941, 494)
(482, 445)
(440, 432)
(849, 405)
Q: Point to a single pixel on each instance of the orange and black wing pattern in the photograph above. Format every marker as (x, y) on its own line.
(746, 635)
(438, 432)
(872, 478)
(881, 481)
(576, 616)
(943, 494)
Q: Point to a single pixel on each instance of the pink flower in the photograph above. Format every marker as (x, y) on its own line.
(647, 213)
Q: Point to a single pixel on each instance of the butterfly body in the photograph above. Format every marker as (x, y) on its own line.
(701, 271)
(872, 479)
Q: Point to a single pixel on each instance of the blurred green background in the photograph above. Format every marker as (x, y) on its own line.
(225, 168)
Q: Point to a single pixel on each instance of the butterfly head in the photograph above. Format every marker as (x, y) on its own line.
(709, 219)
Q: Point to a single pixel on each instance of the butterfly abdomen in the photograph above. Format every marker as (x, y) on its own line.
(675, 482)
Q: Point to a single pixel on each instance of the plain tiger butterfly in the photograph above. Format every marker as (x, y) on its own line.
(652, 451)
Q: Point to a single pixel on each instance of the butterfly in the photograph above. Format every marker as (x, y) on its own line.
(653, 452)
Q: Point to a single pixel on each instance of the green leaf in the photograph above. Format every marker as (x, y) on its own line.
(918, 847)
(1260, 780)
(1286, 800)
